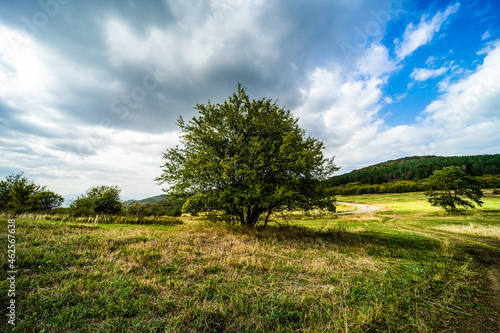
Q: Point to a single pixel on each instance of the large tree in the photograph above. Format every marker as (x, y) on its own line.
(247, 158)
(451, 187)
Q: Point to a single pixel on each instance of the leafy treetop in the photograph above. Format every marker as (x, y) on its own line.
(101, 199)
(247, 157)
(452, 187)
(19, 194)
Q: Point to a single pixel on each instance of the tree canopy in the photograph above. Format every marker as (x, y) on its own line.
(452, 187)
(247, 158)
(101, 199)
(19, 194)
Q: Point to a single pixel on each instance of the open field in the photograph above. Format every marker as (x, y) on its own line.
(396, 270)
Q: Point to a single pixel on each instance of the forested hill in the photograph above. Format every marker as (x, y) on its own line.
(418, 167)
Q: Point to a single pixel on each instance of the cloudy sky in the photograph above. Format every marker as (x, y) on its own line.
(90, 90)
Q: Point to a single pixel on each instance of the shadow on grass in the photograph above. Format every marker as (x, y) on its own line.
(396, 241)
(491, 211)
(298, 232)
(383, 245)
(339, 235)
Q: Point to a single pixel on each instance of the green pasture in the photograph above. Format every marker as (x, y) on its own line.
(346, 273)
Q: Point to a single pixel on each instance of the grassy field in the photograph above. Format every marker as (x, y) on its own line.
(349, 274)
(481, 222)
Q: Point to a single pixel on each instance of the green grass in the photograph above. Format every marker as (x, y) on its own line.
(417, 212)
(353, 273)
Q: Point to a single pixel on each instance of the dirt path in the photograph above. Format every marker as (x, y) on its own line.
(487, 254)
(361, 208)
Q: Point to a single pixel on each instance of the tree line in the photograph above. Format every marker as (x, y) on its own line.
(19, 194)
(403, 186)
(417, 168)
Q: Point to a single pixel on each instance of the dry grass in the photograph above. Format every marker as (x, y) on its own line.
(189, 278)
(472, 230)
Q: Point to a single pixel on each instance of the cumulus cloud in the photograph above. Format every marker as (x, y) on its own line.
(92, 93)
(417, 36)
(341, 105)
(463, 120)
(473, 99)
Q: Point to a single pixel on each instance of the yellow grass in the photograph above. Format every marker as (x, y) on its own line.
(473, 230)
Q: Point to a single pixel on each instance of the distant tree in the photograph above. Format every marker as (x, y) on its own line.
(19, 194)
(250, 158)
(102, 199)
(47, 200)
(451, 187)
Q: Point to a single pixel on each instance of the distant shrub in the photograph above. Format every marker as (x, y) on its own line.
(101, 199)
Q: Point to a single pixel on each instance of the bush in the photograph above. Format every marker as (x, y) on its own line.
(100, 199)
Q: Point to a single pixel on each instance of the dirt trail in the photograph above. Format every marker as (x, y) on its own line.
(361, 208)
(479, 321)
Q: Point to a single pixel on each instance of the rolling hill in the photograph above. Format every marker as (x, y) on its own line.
(418, 167)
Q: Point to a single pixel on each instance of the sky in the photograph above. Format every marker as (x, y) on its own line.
(90, 91)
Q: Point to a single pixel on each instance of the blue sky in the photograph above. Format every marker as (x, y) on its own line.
(90, 91)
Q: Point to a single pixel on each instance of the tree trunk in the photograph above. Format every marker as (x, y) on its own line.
(267, 217)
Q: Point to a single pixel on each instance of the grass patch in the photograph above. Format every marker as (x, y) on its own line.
(472, 229)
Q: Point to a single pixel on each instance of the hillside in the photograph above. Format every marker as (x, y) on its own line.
(156, 198)
(157, 205)
(418, 167)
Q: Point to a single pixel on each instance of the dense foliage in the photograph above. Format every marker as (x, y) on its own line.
(247, 158)
(403, 186)
(19, 194)
(102, 199)
(451, 188)
(154, 207)
(417, 168)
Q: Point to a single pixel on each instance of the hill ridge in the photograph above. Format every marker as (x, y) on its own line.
(418, 167)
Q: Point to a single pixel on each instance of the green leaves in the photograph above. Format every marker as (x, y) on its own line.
(101, 199)
(448, 187)
(249, 157)
(20, 194)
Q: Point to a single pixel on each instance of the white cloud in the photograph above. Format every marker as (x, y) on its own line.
(464, 119)
(340, 105)
(488, 46)
(423, 74)
(202, 39)
(486, 35)
(95, 155)
(335, 106)
(473, 99)
(375, 62)
(422, 34)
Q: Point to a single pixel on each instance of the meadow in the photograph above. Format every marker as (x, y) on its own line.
(349, 273)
